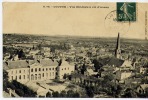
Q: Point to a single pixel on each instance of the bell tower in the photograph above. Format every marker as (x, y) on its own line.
(118, 50)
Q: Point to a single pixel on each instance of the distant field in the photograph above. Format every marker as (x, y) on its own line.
(31, 38)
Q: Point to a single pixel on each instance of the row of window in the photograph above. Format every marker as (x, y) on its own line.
(39, 76)
(19, 71)
(23, 77)
(41, 69)
(35, 70)
(20, 77)
(65, 68)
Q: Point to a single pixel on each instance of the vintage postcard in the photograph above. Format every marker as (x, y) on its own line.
(75, 49)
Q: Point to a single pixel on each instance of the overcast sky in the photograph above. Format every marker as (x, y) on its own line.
(32, 18)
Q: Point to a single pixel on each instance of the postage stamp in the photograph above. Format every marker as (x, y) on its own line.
(126, 11)
(112, 24)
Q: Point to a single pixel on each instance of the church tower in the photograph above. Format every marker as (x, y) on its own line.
(118, 51)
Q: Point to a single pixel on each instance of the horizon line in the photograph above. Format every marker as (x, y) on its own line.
(59, 35)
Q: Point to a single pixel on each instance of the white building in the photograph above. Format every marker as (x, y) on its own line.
(32, 70)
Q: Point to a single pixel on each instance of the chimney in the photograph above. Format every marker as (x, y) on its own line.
(38, 61)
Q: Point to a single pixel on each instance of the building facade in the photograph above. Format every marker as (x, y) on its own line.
(44, 69)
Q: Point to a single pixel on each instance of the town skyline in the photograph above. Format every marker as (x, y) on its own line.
(82, 36)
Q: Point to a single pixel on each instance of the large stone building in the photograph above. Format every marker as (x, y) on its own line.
(37, 70)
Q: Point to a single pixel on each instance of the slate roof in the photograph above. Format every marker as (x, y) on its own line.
(25, 64)
(65, 63)
(48, 62)
(111, 61)
(15, 64)
(115, 61)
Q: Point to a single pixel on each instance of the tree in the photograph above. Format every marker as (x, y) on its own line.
(65, 76)
(5, 80)
(89, 91)
(146, 92)
(55, 94)
(70, 93)
(83, 68)
(129, 93)
(109, 77)
(21, 54)
(76, 94)
(48, 94)
(39, 46)
(63, 93)
(21, 89)
(97, 64)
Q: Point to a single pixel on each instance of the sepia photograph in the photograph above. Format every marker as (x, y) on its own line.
(75, 49)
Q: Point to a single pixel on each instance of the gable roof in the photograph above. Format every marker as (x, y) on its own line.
(144, 86)
(15, 64)
(25, 64)
(115, 61)
(110, 61)
(48, 62)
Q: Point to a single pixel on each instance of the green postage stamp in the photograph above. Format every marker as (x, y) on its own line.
(126, 11)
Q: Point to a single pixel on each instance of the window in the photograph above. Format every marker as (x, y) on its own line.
(20, 77)
(32, 70)
(49, 68)
(12, 77)
(35, 69)
(43, 69)
(16, 71)
(24, 71)
(68, 68)
(52, 68)
(39, 76)
(28, 76)
(20, 71)
(39, 69)
(35, 76)
(46, 69)
(16, 78)
(32, 77)
(43, 74)
(65, 68)
(24, 76)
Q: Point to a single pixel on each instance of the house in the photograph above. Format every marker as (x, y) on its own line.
(143, 70)
(122, 75)
(90, 72)
(33, 52)
(141, 88)
(65, 68)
